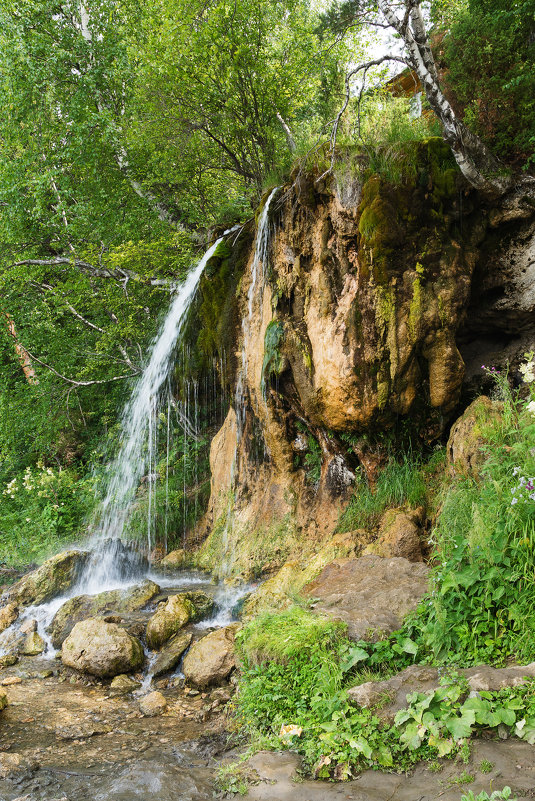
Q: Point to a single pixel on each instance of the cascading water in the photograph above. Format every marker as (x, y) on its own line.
(256, 288)
(110, 562)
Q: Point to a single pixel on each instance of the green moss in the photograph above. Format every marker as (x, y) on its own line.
(415, 308)
(273, 363)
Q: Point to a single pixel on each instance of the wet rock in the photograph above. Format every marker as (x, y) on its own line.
(53, 578)
(123, 684)
(3, 699)
(101, 649)
(170, 618)
(467, 437)
(85, 606)
(8, 615)
(211, 659)
(371, 594)
(28, 626)
(16, 766)
(169, 656)
(399, 535)
(153, 704)
(390, 696)
(33, 644)
(174, 559)
(203, 604)
(8, 660)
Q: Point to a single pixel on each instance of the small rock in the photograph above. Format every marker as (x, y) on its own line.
(45, 674)
(33, 644)
(11, 680)
(174, 558)
(12, 765)
(8, 615)
(3, 699)
(123, 684)
(153, 704)
(28, 626)
(8, 660)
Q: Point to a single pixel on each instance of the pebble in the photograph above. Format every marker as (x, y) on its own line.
(11, 680)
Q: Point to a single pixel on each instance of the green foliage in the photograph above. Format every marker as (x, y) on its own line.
(295, 668)
(40, 509)
(490, 54)
(273, 360)
(399, 482)
(496, 795)
(482, 603)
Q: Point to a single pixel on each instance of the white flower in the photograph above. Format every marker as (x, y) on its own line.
(528, 371)
(28, 519)
(531, 407)
(515, 500)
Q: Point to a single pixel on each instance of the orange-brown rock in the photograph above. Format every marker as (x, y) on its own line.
(468, 436)
(399, 535)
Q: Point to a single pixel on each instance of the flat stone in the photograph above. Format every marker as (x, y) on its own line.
(123, 684)
(169, 656)
(11, 680)
(371, 594)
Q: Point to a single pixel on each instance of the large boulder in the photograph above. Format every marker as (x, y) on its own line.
(466, 444)
(211, 659)
(101, 649)
(8, 615)
(55, 577)
(399, 535)
(84, 606)
(169, 656)
(371, 594)
(170, 617)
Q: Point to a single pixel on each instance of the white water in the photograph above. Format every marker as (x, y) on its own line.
(138, 447)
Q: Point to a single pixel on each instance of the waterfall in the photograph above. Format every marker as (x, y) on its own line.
(110, 562)
(256, 287)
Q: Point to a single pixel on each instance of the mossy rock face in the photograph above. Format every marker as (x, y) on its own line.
(85, 606)
(55, 577)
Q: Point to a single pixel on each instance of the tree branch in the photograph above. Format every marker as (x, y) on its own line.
(72, 380)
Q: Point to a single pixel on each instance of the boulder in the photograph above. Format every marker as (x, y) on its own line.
(174, 559)
(203, 604)
(465, 449)
(399, 535)
(169, 656)
(28, 626)
(3, 699)
(123, 684)
(152, 704)
(371, 594)
(84, 606)
(170, 617)
(33, 644)
(101, 649)
(8, 615)
(53, 578)
(211, 659)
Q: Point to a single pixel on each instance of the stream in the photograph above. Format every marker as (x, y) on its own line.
(64, 731)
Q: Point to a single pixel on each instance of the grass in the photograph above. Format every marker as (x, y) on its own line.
(401, 482)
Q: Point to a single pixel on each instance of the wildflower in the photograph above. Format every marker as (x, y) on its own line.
(515, 500)
(516, 471)
(528, 371)
(531, 407)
